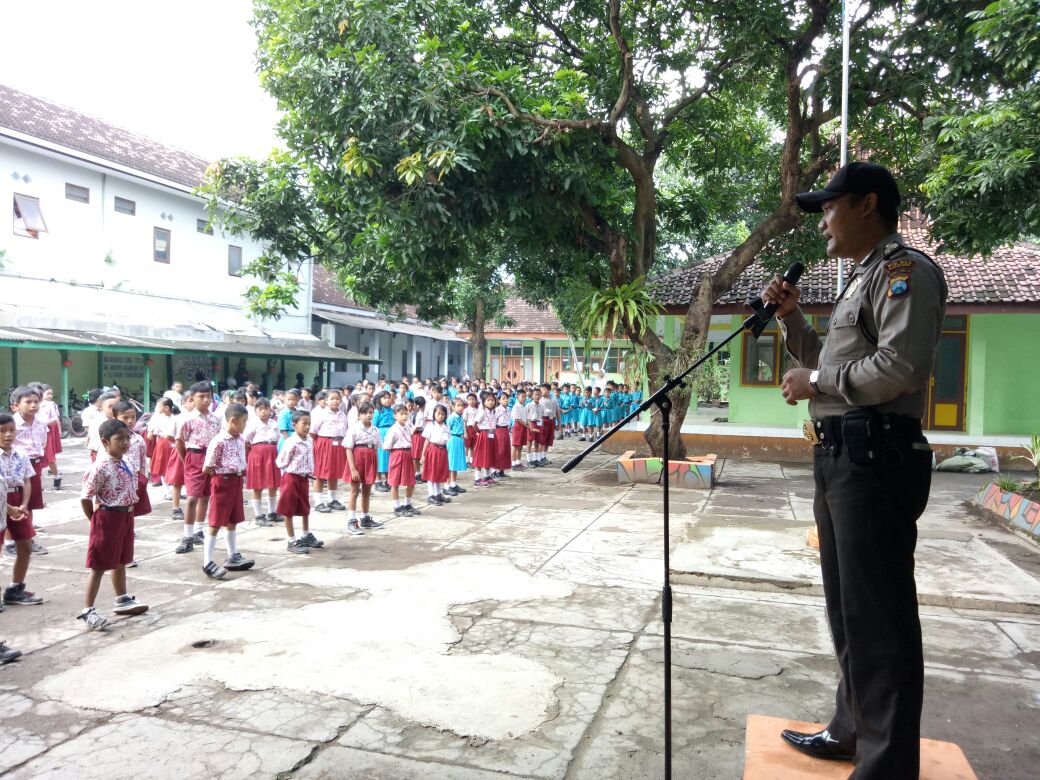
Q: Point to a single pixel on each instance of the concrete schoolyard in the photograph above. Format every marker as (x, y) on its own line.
(512, 634)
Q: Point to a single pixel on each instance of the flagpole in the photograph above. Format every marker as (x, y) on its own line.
(844, 111)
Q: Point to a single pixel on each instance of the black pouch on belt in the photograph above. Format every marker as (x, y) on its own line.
(861, 436)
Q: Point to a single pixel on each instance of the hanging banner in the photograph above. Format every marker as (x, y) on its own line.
(121, 366)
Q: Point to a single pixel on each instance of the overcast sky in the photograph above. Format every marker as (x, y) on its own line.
(181, 72)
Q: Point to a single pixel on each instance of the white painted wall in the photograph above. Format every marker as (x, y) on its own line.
(56, 280)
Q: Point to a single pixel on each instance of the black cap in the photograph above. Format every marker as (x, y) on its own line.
(859, 178)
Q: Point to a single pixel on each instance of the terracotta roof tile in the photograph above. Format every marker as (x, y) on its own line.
(526, 318)
(1010, 275)
(51, 122)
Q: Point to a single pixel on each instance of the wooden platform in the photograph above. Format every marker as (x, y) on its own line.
(768, 757)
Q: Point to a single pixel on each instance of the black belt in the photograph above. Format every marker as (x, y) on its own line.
(892, 427)
(34, 461)
(334, 438)
(442, 446)
(230, 476)
(193, 449)
(118, 508)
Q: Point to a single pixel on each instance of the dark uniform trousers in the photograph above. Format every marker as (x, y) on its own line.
(866, 516)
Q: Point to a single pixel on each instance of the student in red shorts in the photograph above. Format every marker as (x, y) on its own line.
(194, 436)
(296, 460)
(225, 466)
(108, 498)
(361, 444)
(17, 472)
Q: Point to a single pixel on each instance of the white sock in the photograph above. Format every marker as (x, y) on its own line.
(332, 495)
(211, 548)
(272, 502)
(453, 484)
(256, 506)
(325, 497)
(430, 488)
(476, 475)
(408, 501)
(199, 525)
(397, 503)
(188, 531)
(353, 515)
(232, 541)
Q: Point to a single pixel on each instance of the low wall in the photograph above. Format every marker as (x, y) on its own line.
(1016, 512)
(697, 472)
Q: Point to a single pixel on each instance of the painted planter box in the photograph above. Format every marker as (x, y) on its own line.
(697, 472)
(1015, 511)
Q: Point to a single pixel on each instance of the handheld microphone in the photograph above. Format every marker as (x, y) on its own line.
(764, 312)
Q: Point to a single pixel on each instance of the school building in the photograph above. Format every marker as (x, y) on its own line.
(398, 345)
(112, 273)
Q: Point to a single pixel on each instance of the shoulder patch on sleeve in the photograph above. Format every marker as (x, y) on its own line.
(899, 272)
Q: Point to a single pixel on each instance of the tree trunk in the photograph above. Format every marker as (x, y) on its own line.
(680, 398)
(478, 342)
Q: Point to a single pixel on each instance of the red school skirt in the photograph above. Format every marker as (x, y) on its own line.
(484, 450)
(19, 529)
(175, 469)
(111, 542)
(435, 469)
(225, 501)
(503, 457)
(150, 443)
(365, 460)
(161, 456)
(261, 471)
(293, 496)
(196, 481)
(53, 446)
(402, 470)
(519, 435)
(329, 457)
(144, 504)
(470, 437)
(417, 444)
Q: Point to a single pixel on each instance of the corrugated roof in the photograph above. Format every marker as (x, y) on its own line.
(80, 132)
(376, 322)
(306, 349)
(1010, 276)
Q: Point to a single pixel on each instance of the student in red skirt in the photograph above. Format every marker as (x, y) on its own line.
(398, 442)
(484, 446)
(469, 418)
(261, 438)
(296, 460)
(135, 458)
(50, 415)
(161, 433)
(107, 499)
(17, 472)
(174, 476)
(225, 465)
(416, 424)
(518, 436)
(503, 418)
(434, 456)
(30, 440)
(328, 427)
(361, 445)
(197, 431)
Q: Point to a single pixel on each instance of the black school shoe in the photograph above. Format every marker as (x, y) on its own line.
(368, 522)
(187, 545)
(435, 500)
(297, 546)
(382, 487)
(354, 527)
(323, 508)
(312, 541)
(238, 562)
(337, 506)
(459, 490)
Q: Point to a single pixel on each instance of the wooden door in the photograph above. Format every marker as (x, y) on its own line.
(512, 370)
(553, 367)
(946, 390)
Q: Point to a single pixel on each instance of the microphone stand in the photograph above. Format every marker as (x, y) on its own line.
(755, 323)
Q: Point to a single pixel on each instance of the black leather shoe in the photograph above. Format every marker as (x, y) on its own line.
(818, 745)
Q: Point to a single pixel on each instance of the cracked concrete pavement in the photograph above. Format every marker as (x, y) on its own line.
(513, 634)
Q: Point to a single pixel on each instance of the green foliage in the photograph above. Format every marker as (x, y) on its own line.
(1032, 455)
(983, 188)
(626, 308)
(1008, 484)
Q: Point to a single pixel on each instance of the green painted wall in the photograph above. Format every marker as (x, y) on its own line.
(756, 405)
(1003, 374)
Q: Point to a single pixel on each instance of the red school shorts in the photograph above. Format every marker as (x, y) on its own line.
(36, 499)
(144, 504)
(293, 496)
(225, 501)
(402, 470)
(519, 434)
(365, 460)
(111, 542)
(196, 481)
(19, 529)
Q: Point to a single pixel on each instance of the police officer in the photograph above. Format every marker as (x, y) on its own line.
(866, 385)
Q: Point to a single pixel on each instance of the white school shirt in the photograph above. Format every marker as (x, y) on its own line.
(330, 424)
(359, 436)
(258, 432)
(437, 433)
(92, 419)
(470, 415)
(352, 417)
(397, 438)
(163, 425)
(534, 412)
(519, 413)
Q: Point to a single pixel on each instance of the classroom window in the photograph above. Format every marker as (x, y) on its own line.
(761, 360)
(203, 226)
(404, 362)
(77, 193)
(597, 361)
(28, 217)
(234, 260)
(124, 206)
(161, 245)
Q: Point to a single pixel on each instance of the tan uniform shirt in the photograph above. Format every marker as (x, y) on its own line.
(896, 297)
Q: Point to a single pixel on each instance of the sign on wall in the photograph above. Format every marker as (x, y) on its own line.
(121, 366)
(186, 366)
